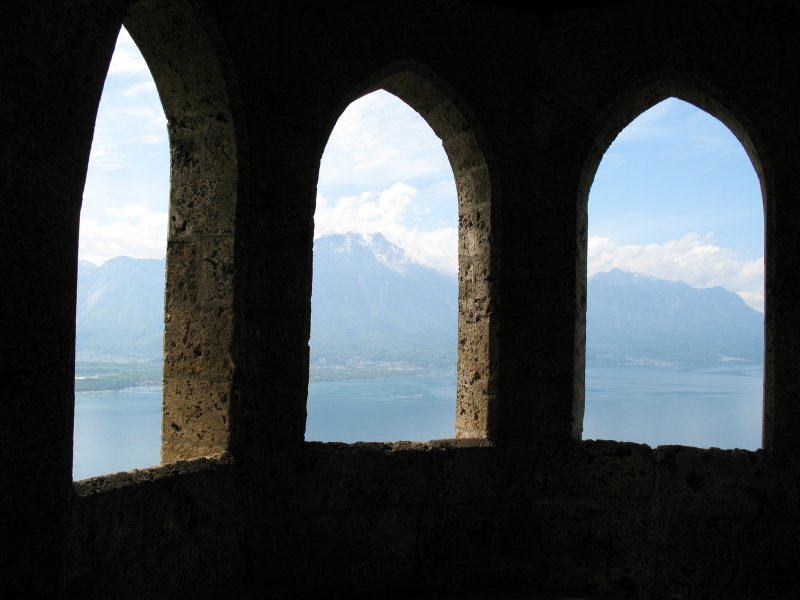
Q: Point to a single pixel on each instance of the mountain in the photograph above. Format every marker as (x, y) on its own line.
(638, 319)
(120, 308)
(370, 302)
(373, 306)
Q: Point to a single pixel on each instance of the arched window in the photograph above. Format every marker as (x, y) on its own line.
(675, 295)
(405, 228)
(198, 404)
(121, 271)
(385, 291)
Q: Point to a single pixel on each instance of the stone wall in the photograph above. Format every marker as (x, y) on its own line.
(526, 104)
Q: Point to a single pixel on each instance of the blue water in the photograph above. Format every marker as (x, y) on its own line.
(116, 431)
(713, 407)
(402, 407)
(721, 406)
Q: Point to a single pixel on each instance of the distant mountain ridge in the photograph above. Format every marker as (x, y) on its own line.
(120, 308)
(372, 304)
(638, 319)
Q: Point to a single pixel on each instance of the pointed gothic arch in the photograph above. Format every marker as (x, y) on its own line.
(177, 42)
(628, 106)
(465, 145)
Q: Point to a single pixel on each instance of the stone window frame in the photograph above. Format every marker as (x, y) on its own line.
(467, 151)
(202, 401)
(176, 41)
(611, 121)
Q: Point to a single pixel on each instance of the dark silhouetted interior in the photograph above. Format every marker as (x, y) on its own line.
(516, 505)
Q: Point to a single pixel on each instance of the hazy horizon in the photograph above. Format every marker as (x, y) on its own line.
(675, 195)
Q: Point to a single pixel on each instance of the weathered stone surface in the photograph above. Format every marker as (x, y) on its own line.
(197, 342)
(196, 418)
(526, 102)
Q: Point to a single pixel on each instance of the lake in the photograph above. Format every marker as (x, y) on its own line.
(116, 431)
(717, 406)
(721, 406)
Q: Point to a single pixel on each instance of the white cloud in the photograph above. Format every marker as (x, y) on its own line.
(124, 61)
(119, 126)
(136, 123)
(384, 213)
(378, 142)
(126, 58)
(379, 135)
(693, 259)
(127, 188)
(143, 87)
(149, 138)
(437, 248)
(135, 231)
(129, 210)
(104, 155)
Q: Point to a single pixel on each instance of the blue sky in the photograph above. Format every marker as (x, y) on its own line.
(675, 195)
(385, 171)
(676, 168)
(125, 199)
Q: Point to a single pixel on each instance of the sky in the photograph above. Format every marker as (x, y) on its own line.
(385, 171)
(125, 199)
(675, 195)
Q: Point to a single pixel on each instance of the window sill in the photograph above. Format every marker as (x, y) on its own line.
(114, 481)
